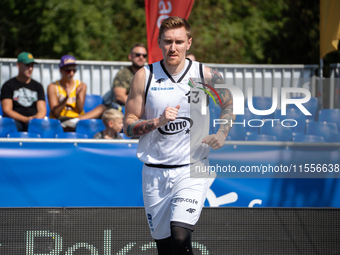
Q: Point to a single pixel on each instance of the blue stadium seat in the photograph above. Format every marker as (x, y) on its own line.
(262, 103)
(90, 127)
(255, 125)
(23, 135)
(308, 138)
(276, 129)
(238, 131)
(312, 106)
(124, 136)
(260, 137)
(92, 101)
(330, 115)
(7, 125)
(71, 135)
(215, 112)
(47, 128)
(328, 130)
(48, 109)
(294, 114)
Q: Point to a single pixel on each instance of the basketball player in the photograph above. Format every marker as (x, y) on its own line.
(157, 109)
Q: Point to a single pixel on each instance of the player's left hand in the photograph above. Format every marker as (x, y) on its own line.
(215, 141)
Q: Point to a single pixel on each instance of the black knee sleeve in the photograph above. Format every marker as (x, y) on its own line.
(181, 240)
(164, 246)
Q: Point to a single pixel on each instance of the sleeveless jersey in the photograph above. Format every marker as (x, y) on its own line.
(70, 110)
(178, 142)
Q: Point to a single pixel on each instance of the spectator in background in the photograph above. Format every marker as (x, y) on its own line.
(191, 56)
(67, 96)
(123, 79)
(23, 98)
(113, 121)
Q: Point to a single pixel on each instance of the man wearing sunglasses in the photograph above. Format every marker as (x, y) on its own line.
(23, 98)
(67, 96)
(123, 79)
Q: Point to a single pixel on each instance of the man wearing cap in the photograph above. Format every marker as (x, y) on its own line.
(67, 96)
(23, 98)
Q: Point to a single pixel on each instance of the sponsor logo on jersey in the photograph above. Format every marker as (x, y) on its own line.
(160, 80)
(161, 88)
(149, 216)
(191, 210)
(184, 200)
(179, 125)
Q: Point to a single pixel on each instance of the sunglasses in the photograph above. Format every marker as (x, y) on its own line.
(140, 54)
(68, 71)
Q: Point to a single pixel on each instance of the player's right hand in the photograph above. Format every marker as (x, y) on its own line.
(170, 114)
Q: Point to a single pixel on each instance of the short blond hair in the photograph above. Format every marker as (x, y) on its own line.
(111, 114)
(174, 22)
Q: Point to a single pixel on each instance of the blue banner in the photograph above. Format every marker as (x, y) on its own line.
(84, 174)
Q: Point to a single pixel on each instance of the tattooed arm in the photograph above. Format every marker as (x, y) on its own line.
(216, 141)
(227, 102)
(142, 127)
(134, 109)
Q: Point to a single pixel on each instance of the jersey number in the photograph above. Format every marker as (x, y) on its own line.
(196, 98)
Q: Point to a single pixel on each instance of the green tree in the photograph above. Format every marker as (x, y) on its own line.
(81, 28)
(19, 26)
(129, 19)
(235, 31)
(224, 31)
(297, 39)
(87, 29)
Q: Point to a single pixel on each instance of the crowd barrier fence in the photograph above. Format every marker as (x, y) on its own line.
(75, 172)
(334, 96)
(99, 75)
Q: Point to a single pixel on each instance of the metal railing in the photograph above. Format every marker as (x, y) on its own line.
(262, 78)
(20, 141)
(334, 86)
(99, 75)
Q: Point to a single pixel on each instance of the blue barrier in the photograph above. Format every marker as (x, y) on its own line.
(47, 174)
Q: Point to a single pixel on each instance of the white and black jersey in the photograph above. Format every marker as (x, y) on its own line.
(180, 141)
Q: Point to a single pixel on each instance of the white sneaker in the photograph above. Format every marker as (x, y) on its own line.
(72, 123)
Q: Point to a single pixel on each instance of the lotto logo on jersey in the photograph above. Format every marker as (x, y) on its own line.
(181, 124)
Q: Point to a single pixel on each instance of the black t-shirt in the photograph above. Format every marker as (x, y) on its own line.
(24, 96)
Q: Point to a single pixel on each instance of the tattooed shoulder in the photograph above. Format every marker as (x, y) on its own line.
(215, 76)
